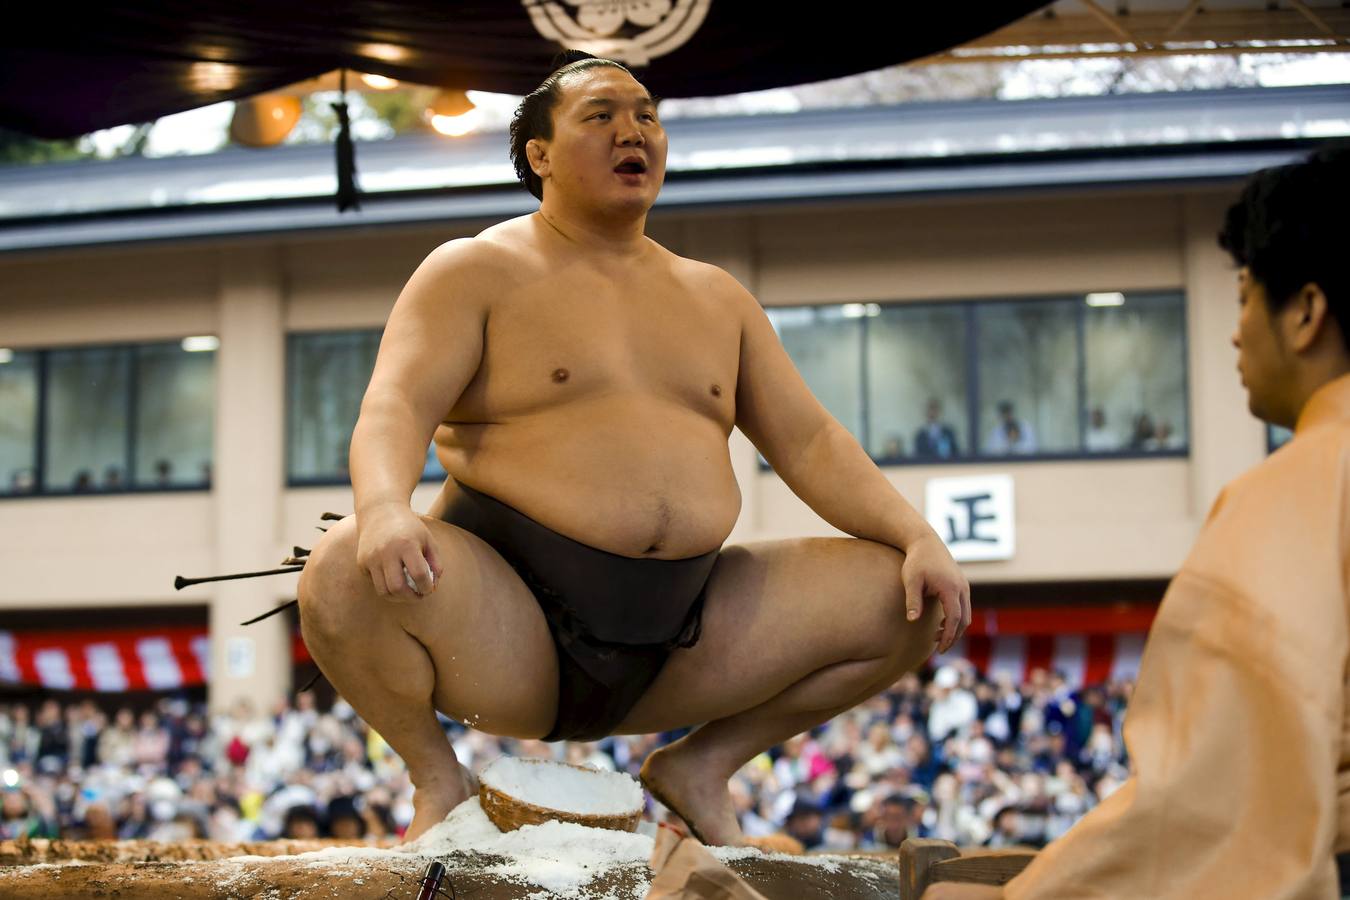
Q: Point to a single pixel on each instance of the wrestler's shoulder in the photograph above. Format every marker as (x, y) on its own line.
(497, 251)
(1311, 472)
(707, 279)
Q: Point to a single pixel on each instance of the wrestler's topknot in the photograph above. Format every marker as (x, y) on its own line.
(534, 116)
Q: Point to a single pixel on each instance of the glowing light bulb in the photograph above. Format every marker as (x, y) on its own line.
(379, 82)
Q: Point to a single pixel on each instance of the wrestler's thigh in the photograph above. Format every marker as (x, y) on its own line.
(482, 630)
(775, 612)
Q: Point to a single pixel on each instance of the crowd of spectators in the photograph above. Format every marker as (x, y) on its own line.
(949, 755)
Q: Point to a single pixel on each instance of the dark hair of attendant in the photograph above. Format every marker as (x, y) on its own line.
(534, 116)
(1290, 228)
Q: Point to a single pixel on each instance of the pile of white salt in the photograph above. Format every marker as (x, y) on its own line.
(571, 789)
(557, 856)
(560, 859)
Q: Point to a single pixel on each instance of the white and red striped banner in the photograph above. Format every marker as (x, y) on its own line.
(129, 659)
(1089, 645)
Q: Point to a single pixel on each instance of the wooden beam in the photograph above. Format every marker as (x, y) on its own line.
(1315, 18)
(917, 857)
(925, 862)
(1111, 22)
(978, 56)
(1202, 26)
(996, 867)
(1191, 9)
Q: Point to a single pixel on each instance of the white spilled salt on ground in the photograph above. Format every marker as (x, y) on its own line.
(556, 856)
(559, 858)
(568, 788)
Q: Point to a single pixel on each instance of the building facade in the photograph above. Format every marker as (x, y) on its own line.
(1050, 320)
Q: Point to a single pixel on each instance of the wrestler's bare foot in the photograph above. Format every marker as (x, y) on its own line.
(434, 798)
(695, 791)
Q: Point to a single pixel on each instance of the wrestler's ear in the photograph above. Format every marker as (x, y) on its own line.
(536, 151)
(1306, 317)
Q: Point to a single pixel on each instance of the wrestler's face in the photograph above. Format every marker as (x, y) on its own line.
(1263, 357)
(608, 147)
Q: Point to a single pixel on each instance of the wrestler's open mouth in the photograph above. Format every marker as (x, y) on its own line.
(631, 167)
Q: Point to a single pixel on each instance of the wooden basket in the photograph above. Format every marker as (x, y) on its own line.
(509, 813)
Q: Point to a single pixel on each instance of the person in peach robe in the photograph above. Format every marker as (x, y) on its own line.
(1239, 731)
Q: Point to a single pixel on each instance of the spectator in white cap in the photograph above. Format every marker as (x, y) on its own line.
(953, 707)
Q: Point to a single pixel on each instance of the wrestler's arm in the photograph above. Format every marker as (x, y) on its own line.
(432, 346)
(826, 467)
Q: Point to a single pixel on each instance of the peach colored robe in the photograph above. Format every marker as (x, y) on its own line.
(1237, 730)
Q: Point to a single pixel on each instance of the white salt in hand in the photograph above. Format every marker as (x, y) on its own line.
(408, 580)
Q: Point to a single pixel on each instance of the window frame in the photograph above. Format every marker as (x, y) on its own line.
(130, 398)
(320, 481)
(977, 457)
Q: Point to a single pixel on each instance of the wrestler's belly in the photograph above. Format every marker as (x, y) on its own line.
(639, 480)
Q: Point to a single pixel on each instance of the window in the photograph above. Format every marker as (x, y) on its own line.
(88, 399)
(175, 415)
(981, 380)
(1027, 359)
(18, 421)
(107, 418)
(824, 343)
(1277, 437)
(327, 375)
(1136, 374)
(917, 384)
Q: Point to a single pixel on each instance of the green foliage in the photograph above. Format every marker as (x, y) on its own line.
(20, 149)
(374, 115)
(401, 110)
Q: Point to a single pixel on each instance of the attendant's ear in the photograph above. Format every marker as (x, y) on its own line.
(1306, 317)
(536, 151)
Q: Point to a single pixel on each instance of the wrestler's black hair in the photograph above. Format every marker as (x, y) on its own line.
(534, 116)
(1291, 227)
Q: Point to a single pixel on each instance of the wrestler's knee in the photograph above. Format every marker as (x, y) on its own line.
(890, 627)
(331, 579)
(921, 636)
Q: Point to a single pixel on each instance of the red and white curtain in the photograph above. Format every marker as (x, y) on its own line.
(113, 660)
(1089, 645)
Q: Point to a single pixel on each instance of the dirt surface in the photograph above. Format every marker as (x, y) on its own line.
(140, 870)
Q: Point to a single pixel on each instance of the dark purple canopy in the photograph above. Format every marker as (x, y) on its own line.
(67, 69)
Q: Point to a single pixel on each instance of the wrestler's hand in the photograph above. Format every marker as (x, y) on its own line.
(930, 572)
(395, 549)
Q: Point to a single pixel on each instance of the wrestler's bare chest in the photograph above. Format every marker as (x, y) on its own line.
(584, 335)
(602, 405)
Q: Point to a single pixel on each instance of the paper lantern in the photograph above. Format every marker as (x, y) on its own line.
(264, 120)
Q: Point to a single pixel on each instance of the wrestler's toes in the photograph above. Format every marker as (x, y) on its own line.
(432, 804)
(777, 843)
(679, 781)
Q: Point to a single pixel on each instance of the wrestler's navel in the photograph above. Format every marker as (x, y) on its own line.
(560, 375)
(717, 390)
